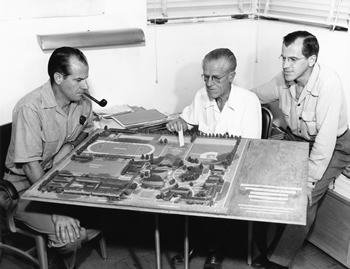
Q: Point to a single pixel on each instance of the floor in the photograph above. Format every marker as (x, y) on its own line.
(130, 245)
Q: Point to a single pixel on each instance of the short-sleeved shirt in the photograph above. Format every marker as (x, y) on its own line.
(40, 128)
(319, 115)
(240, 116)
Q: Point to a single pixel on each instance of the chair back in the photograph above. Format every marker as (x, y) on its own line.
(267, 119)
(5, 135)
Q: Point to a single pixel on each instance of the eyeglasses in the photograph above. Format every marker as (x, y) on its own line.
(215, 79)
(291, 60)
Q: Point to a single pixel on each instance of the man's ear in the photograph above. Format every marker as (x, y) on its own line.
(312, 60)
(232, 76)
(58, 78)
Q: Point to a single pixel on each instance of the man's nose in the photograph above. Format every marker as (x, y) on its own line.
(84, 84)
(209, 82)
(286, 63)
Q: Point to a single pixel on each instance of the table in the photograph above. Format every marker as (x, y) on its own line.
(221, 177)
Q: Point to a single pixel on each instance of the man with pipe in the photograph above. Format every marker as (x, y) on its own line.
(47, 124)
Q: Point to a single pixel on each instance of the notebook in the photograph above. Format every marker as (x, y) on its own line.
(140, 118)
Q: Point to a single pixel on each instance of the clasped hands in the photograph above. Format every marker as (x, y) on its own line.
(66, 228)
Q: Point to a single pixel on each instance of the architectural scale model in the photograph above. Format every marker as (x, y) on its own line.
(115, 167)
(219, 175)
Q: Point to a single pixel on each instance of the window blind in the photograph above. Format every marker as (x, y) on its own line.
(330, 13)
(189, 9)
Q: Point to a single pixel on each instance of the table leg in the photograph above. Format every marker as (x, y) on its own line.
(157, 239)
(186, 243)
(250, 242)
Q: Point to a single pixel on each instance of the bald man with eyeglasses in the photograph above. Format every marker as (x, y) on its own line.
(220, 106)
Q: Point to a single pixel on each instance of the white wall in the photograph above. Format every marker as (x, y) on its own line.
(181, 48)
(23, 65)
(163, 74)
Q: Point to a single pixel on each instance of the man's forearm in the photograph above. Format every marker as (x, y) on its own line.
(79, 139)
(67, 147)
(33, 171)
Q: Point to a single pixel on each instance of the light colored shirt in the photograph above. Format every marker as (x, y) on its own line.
(40, 128)
(319, 115)
(240, 116)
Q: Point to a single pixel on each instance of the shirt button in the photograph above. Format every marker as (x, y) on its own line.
(298, 104)
(300, 131)
(300, 118)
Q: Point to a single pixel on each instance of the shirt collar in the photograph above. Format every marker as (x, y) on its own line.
(48, 98)
(309, 87)
(231, 102)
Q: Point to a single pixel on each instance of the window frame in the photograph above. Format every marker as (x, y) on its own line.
(332, 14)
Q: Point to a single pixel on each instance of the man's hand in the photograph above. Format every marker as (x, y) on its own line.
(65, 149)
(309, 195)
(66, 228)
(177, 125)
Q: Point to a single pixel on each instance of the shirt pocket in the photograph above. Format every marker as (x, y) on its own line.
(50, 143)
(309, 122)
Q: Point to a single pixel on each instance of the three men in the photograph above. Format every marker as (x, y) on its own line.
(47, 123)
(312, 100)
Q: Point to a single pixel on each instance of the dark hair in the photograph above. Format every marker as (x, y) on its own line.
(60, 61)
(310, 43)
(222, 53)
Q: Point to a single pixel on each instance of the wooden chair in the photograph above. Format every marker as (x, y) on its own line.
(37, 254)
(7, 217)
(14, 226)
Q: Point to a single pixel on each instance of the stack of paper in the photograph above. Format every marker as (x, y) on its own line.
(342, 186)
(113, 110)
(140, 118)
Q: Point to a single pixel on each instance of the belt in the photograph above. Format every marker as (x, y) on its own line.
(293, 137)
(9, 172)
(311, 141)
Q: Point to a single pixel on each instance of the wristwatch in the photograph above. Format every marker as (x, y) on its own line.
(72, 145)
